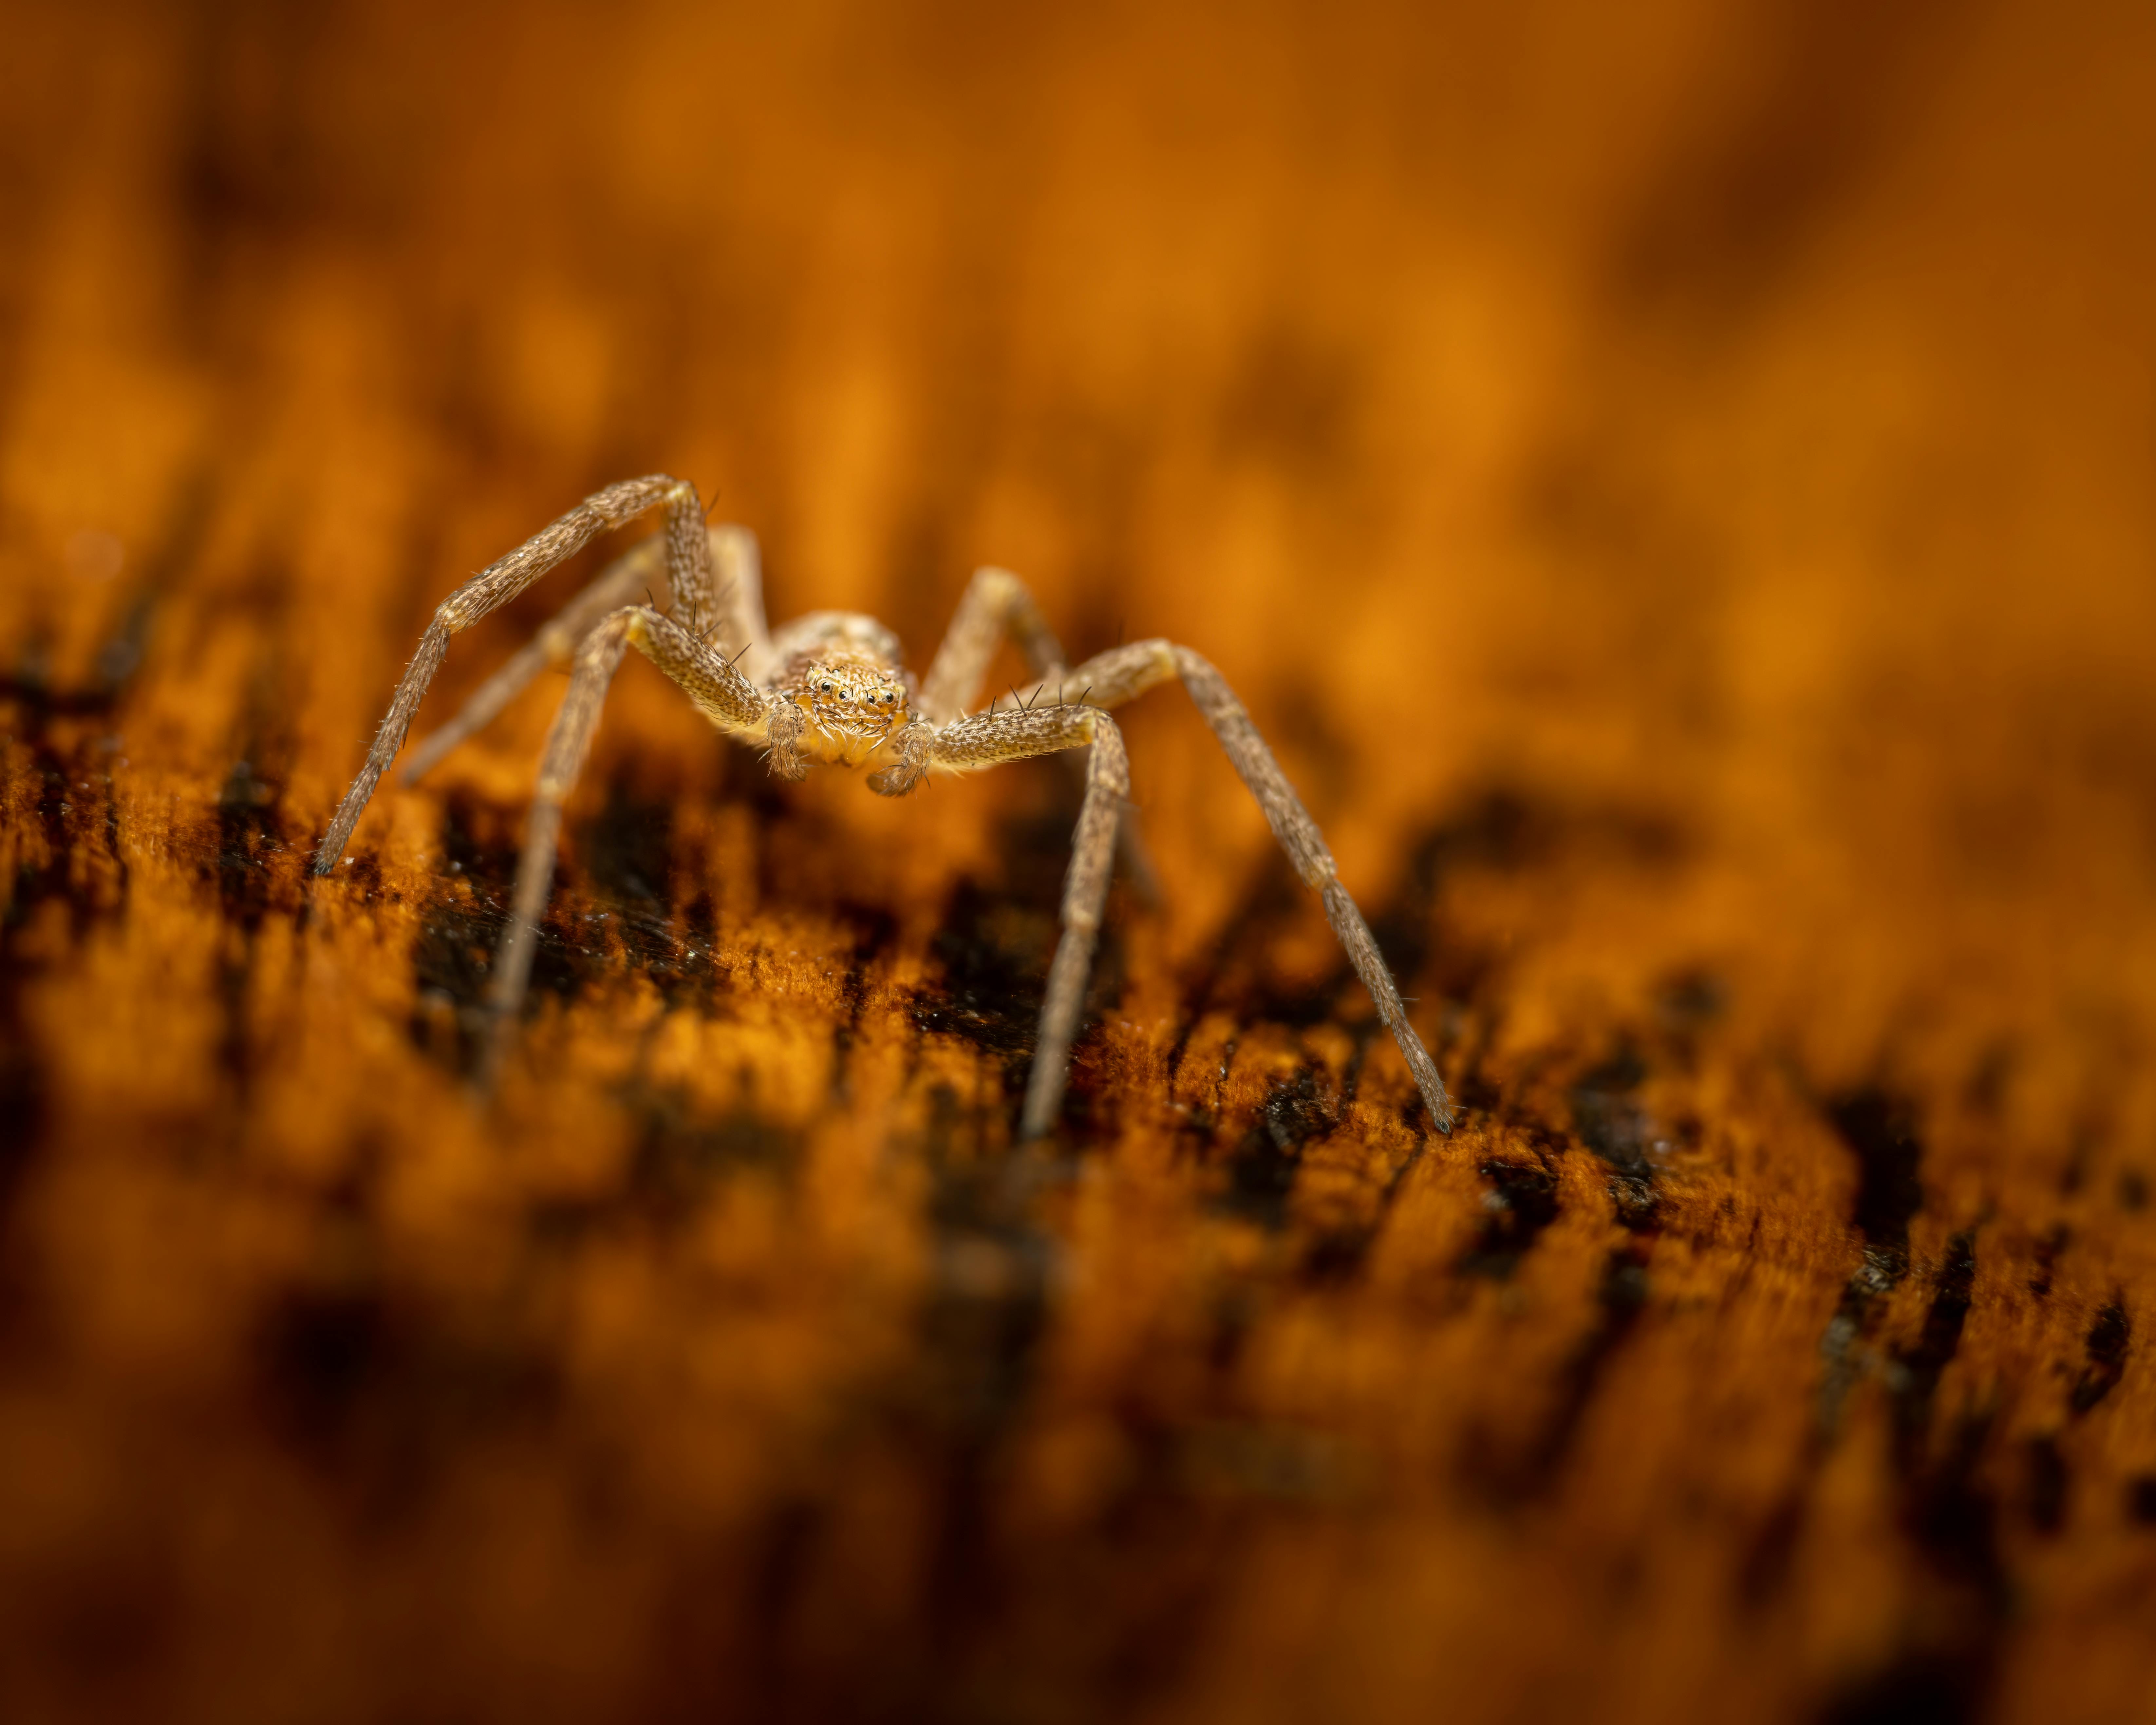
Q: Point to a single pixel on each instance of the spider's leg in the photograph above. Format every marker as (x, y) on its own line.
(620, 582)
(740, 605)
(996, 605)
(741, 626)
(723, 694)
(1125, 672)
(689, 578)
(989, 738)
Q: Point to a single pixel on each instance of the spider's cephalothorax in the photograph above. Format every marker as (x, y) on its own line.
(843, 672)
(853, 703)
(830, 691)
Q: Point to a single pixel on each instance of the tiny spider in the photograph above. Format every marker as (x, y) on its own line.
(829, 691)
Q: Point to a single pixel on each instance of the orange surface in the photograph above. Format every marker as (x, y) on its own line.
(1673, 481)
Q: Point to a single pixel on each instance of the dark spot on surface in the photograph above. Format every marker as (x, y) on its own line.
(993, 943)
(2132, 1189)
(1767, 1554)
(981, 1327)
(1879, 1129)
(1619, 1300)
(2047, 1258)
(1922, 1362)
(993, 956)
(2048, 1484)
(2105, 1347)
(1519, 1203)
(1954, 1519)
(319, 1353)
(1610, 1121)
(2140, 1500)
(875, 929)
(1984, 1094)
(1922, 1688)
(1690, 1000)
(249, 835)
(1505, 832)
(680, 1156)
(1262, 1170)
(1856, 1316)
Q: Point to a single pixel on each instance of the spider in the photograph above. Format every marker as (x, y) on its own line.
(829, 689)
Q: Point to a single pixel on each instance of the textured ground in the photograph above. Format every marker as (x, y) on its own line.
(1675, 482)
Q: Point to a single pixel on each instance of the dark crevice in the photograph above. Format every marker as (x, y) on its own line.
(1261, 1171)
(1921, 1364)
(1519, 1203)
(1619, 1300)
(1610, 1121)
(1879, 1129)
(2106, 1347)
(2049, 1485)
(2047, 1258)
(249, 837)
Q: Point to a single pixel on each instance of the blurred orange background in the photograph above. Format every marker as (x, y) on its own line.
(1677, 482)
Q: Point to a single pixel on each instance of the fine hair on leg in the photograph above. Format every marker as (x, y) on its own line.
(1299, 837)
(1084, 896)
(741, 627)
(995, 607)
(620, 582)
(689, 581)
(990, 739)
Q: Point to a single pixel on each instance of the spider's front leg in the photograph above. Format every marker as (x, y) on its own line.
(741, 632)
(997, 606)
(689, 580)
(990, 739)
(1124, 673)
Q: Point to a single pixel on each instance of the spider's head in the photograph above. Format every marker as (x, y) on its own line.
(854, 703)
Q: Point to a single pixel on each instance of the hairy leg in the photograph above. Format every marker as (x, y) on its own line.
(718, 689)
(989, 738)
(619, 583)
(689, 579)
(996, 603)
(741, 627)
(1124, 673)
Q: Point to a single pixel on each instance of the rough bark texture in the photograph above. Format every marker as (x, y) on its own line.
(1674, 483)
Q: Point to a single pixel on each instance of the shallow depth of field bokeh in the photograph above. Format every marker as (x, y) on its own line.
(1678, 484)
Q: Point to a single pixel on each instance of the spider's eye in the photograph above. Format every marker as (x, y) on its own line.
(828, 685)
